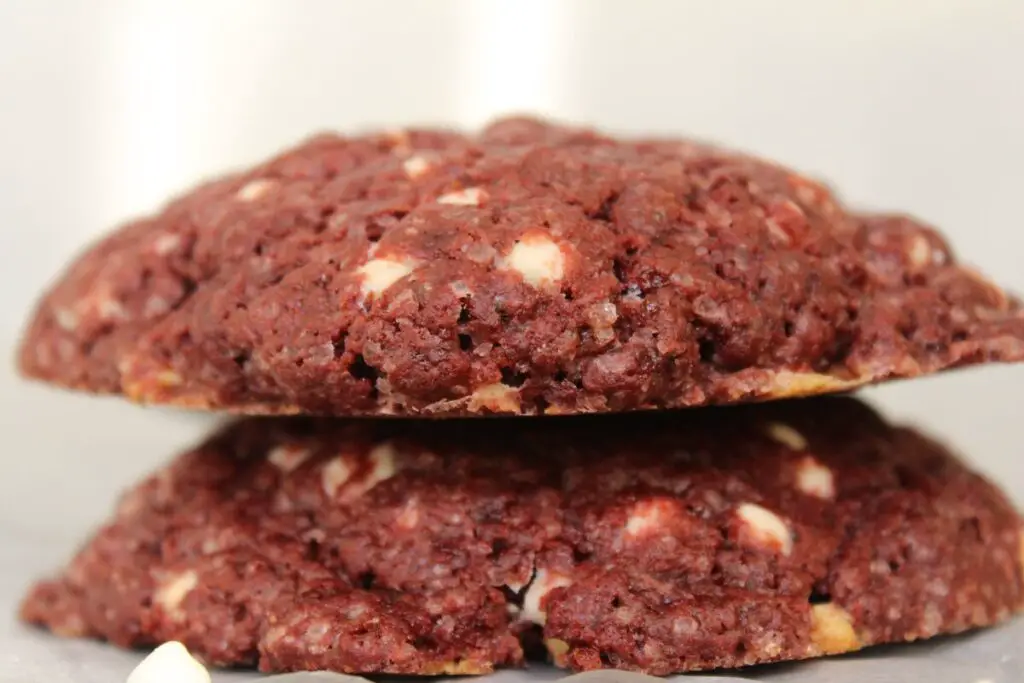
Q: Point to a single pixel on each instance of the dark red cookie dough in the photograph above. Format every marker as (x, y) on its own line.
(654, 542)
(529, 269)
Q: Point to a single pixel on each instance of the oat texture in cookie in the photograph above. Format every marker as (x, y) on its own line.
(527, 268)
(659, 542)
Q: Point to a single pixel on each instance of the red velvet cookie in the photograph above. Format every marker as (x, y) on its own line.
(530, 268)
(656, 542)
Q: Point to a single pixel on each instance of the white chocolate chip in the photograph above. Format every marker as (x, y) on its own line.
(409, 515)
(155, 306)
(255, 189)
(920, 252)
(416, 166)
(497, 398)
(775, 229)
(335, 474)
(832, 631)
(287, 457)
(648, 516)
(543, 583)
(66, 319)
(169, 663)
(111, 309)
(384, 465)
(787, 436)
(380, 273)
(765, 527)
(815, 479)
(166, 243)
(538, 259)
(173, 590)
(471, 196)
(168, 378)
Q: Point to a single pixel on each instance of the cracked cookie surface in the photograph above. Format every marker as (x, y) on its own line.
(652, 542)
(531, 268)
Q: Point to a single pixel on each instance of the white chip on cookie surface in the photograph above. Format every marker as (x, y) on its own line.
(166, 243)
(66, 319)
(383, 465)
(920, 252)
(254, 189)
(345, 478)
(765, 528)
(537, 259)
(815, 479)
(287, 457)
(172, 591)
(647, 517)
(471, 196)
(544, 582)
(415, 166)
(335, 474)
(380, 273)
(169, 663)
(787, 436)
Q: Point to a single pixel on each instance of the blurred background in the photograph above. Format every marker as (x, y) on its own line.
(109, 107)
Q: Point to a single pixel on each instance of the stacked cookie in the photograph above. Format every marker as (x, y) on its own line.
(620, 298)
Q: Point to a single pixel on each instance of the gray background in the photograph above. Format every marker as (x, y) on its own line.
(108, 107)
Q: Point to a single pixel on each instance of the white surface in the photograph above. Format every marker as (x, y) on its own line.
(109, 106)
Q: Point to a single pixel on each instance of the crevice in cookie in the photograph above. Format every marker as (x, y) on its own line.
(604, 212)
(359, 369)
(338, 342)
(706, 348)
(513, 378)
(366, 580)
(241, 359)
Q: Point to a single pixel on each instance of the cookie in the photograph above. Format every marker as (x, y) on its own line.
(529, 269)
(654, 542)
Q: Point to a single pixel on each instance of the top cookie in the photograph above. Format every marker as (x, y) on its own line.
(532, 268)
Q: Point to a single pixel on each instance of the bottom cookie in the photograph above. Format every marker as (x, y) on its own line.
(659, 543)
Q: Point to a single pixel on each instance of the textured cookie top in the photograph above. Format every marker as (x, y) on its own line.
(656, 542)
(529, 269)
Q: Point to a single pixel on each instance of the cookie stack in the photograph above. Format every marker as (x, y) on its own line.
(620, 299)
